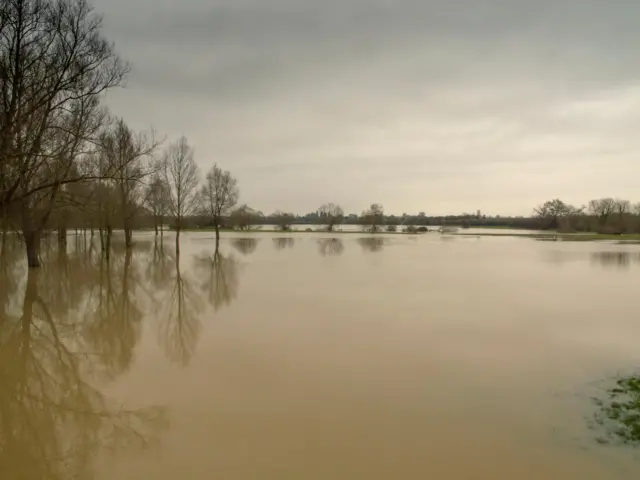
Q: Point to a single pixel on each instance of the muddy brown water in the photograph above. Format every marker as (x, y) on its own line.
(312, 356)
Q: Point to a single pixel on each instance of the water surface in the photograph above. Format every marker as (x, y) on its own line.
(317, 356)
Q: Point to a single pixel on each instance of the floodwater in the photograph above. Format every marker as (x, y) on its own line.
(312, 356)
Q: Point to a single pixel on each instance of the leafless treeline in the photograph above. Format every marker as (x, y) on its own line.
(65, 161)
(604, 215)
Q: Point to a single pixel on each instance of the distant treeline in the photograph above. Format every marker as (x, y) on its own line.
(279, 219)
(604, 215)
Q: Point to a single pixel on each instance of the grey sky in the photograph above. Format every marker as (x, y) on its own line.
(440, 106)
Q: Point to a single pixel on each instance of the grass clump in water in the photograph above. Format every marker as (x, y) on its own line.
(618, 414)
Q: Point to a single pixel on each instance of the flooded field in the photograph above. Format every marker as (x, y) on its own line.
(312, 356)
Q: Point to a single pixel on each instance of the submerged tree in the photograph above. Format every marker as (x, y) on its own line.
(218, 196)
(126, 154)
(181, 177)
(245, 218)
(373, 218)
(283, 220)
(54, 66)
(331, 215)
(156, 199)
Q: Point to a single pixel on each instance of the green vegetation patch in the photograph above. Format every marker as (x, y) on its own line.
(618, 413)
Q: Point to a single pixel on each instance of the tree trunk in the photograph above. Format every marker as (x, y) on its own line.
(32, 242)
(62, 236)
(30, 296)
(178, 239)
(5, 229)
(62, 254)
(217, 227)
(125, 277)
(128, 234)
(107, 243)
(128, 238)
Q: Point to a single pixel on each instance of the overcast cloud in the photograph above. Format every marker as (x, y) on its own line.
(439, 106)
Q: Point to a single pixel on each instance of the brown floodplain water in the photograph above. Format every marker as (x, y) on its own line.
(320, 356)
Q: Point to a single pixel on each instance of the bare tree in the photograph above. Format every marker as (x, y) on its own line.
(373, 218)
(602, 209)
(218, 196)
(54, 66)
(331, 215)
(571, 219)
(623, 211)
(623, 206)
(106, 203)
(181, 176)
(244, 218)
(283, 220)
(551, 212)
(156, 199)
(126, 153)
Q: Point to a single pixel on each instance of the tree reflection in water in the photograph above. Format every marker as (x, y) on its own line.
(330, 246)
(246, 246)
(621, 259)
(55, 345)
(114, 321)
(283, 243)
(11, 271)
(180, 296)
(179, 310)
(371, 244)
(219, 275)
